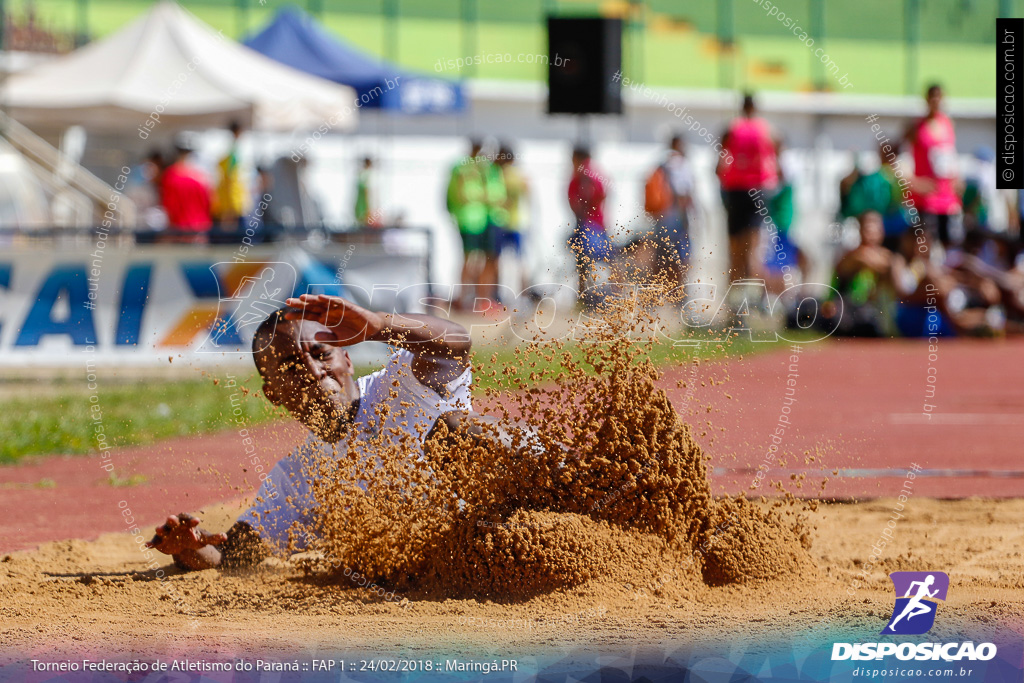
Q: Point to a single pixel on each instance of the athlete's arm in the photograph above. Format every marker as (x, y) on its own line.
(441, 347)
(193, 548)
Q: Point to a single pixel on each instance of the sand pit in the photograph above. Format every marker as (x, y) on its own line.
(609, 537)
(77, 596)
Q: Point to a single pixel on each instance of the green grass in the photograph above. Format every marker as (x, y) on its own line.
(662, 353)
(60, 420)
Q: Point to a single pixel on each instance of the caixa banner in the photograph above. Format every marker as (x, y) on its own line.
(139, 305)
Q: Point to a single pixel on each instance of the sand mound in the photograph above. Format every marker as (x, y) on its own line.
(589, 476)
(532, 553)
(747, 544)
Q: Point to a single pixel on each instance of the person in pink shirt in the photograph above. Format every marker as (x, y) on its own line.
(935, 193)
(186, 197)
(750, 165)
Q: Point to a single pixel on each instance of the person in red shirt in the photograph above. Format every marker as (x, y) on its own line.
(935, 193)
(186, 194)
(589, 240)
(750, 164)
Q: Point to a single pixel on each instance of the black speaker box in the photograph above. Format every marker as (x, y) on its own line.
(584, 55)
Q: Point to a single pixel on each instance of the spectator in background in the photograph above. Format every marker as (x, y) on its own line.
(364, 210)
(466, 200)
(185, 194)
(669, 199)
(496, 198)
(589, 240)
(264, 218)
(750, 164)
(782, 256)
(864, 278)
(877, 191)
(1016, 217)
(517, 191)
(980, 191)
(926, 290)
(998, 259)
(144, 190)
(933, 142)
(232, 198)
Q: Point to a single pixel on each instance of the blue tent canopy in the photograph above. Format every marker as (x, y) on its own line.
(296, 39)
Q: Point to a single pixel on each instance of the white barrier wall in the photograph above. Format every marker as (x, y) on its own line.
(137, 305)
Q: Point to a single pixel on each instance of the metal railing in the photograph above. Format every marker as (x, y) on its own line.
(65, 179)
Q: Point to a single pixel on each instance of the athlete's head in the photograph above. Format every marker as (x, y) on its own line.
(929, 580)
(313, 380)
(934, 98)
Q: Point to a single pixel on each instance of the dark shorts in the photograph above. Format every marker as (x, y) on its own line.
(780, 251)
(672, 234)
(486, 241)
(947, 228)
(741, 212)
(589, 244)
(511, 239)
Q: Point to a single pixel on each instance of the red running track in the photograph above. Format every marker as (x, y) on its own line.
(860, 404)
(77, 500)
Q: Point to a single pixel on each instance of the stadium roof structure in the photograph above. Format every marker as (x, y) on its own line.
(298, 40)
(167, 71)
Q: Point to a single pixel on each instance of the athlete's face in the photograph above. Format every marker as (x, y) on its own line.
(311, 379)
(934, 100)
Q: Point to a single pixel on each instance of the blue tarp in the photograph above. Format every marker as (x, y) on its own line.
(296, 39)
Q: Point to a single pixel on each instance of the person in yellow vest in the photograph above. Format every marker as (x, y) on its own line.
(231, 199)
(517, 191)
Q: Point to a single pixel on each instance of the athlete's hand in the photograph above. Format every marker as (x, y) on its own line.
(348, 323)
(182, 533)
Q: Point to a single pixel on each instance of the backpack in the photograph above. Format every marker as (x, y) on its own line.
(657, 192)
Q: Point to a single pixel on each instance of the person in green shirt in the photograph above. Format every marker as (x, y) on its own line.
(865, 280)
(363, 212)
(782, 256)
(468, 205)
(879, 192)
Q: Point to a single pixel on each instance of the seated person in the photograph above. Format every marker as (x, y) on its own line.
(934, 299)
(300, 356)
(984, 264)
(876, 191)
(864, 279)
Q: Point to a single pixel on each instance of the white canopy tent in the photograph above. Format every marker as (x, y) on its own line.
(174, 71)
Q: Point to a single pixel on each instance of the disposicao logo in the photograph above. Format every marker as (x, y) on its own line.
(916, 595)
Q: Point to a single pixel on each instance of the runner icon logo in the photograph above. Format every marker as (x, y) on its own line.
(917, 594)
